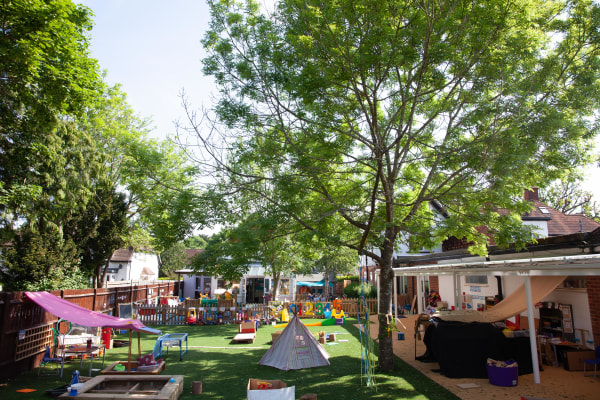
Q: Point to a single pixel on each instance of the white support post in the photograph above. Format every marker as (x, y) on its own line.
(457, 291)
(395, 300)
(532, 337)
(420, 308)
(378, 291)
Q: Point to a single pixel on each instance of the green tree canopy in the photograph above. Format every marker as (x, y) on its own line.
(368, 111)
(75, 160)
(174, 258)
(230, 252)
(48, 78)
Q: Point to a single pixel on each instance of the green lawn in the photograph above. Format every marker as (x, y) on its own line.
(224, 372)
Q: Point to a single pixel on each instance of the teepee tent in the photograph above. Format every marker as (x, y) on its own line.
(296, 348)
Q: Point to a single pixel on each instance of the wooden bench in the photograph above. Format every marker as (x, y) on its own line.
(247, 332)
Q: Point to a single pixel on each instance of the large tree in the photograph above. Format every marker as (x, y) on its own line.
(47, 79)
(258, 238)
(75, 160)
(569, 197)
(367, 111)
(172, 259)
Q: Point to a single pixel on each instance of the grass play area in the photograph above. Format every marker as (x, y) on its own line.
(225, 367)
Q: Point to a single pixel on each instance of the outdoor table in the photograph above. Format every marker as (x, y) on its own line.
(80, 351)
(174, 339)
(562, 346)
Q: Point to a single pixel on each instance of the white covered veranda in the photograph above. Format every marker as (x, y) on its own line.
(574, 265)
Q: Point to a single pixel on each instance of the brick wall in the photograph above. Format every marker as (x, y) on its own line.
(592, 284)
(412, 286)
(453, 243)
(434, 283)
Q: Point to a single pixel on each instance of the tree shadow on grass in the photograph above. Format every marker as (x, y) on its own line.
(415, 379)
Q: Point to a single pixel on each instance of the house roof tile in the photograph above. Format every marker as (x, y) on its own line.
(559, 223)
(122, 255)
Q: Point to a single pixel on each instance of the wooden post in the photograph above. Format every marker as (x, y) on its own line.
(139, 345)
(130, 339)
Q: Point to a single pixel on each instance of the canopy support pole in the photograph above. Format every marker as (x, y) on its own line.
(420, 294)
(395, 300)
(378, 291)
(130, 339)
(532, 336)
(456, 279)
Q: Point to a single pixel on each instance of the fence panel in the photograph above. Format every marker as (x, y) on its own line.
(160, 314)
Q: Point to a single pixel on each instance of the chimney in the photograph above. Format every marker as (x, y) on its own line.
(532, 195)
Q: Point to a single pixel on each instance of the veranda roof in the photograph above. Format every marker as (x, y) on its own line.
(528, 268)
(81, 316)
(312, 284)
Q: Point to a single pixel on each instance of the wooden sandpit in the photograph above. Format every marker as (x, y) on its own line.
(149, 387)
(131, 368)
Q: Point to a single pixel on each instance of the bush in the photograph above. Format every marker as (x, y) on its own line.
(354, 278)
(353, 290)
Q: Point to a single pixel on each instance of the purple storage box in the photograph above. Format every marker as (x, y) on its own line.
(503, 376)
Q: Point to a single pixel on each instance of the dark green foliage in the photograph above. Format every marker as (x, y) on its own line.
(98, 230)
(41, 262)
(173, 259)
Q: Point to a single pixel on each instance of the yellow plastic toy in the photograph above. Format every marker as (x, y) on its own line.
(337, 314)
(285, 315)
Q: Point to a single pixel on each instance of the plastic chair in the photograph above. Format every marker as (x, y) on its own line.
(48, 359)
(592, 361)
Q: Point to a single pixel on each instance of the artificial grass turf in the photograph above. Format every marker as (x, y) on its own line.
(224, 368)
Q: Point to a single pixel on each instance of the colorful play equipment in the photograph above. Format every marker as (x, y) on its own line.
(321, 322)
(191, 317)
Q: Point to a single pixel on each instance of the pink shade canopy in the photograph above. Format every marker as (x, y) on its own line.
(81, 316)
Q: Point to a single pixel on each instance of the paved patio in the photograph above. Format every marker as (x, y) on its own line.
(555, 382)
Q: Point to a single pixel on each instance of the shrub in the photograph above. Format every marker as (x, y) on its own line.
(353, 290)
(354, 278)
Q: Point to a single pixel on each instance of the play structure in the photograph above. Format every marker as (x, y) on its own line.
(81, 316)
(321, 322)
(295, 348)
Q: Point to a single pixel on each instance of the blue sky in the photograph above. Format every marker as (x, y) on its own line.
(152, 48)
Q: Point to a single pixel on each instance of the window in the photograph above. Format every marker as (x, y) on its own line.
(544, 210)
(476, 280)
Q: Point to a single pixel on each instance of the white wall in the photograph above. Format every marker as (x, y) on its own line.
(576, 297)
(140, 261)
(541, 227)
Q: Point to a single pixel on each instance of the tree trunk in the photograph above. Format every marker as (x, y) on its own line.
(386, 278)
(102, 277)
(326, 281)
(276, 279)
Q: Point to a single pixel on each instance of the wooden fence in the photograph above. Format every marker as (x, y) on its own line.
(225, 312)
(21, 316)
